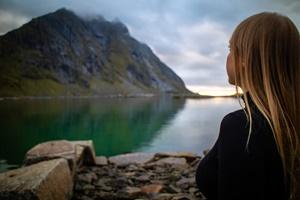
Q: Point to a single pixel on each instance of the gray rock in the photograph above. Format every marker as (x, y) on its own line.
(136, 158)
(172, 189)
(87, 177)
(171, 161)
(164, 177)
(101, 160)
(185, 182)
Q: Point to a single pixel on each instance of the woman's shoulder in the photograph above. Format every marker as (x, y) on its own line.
(235, 118)
(239, 117)
(235, 126)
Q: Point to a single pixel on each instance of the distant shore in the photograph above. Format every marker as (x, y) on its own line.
(196, 96)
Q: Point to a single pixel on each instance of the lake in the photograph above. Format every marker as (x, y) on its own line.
(116, 125)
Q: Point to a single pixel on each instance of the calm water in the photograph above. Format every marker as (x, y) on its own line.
(117, 125)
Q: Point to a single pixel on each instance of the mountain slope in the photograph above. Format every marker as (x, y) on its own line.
(61, 53)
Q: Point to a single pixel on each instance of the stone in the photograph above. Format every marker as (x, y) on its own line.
(152, 188)
(132, 192)
(76, 153)
(171, 161)
(185, 181)
(102, 182)
(171, 188)
(189, 156)
(160, 178)
(143, 178)
(193, 190)
(129, 174)
(164, 196)
(51, 150)
(101, 160)
(130, 158)
(88, 187)
(183, 197)
(85, 198)
(45, 180)
(88, 177)
(85, 152)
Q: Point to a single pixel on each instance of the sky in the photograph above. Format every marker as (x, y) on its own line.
(190, 36)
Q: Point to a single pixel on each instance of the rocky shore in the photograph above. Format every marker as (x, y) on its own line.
(71, 170)
(160, 176)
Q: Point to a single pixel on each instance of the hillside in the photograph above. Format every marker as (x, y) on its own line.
(61, 53)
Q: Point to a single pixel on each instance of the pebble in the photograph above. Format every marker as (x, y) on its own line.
(165, 176)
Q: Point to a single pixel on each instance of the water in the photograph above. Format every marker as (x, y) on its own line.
(116, 125)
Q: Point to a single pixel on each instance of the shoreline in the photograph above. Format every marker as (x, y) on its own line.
(79, 174)
(146, 95)
(166, 176)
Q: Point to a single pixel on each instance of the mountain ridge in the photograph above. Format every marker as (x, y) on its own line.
(61, 53)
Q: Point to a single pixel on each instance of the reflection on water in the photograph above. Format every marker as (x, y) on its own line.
(116, 125)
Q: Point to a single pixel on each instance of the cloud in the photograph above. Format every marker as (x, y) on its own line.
(9, 21)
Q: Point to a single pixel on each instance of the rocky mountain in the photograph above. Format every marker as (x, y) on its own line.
(61, 53)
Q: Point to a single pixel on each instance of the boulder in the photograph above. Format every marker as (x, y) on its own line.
(76, 153)
(44, 180)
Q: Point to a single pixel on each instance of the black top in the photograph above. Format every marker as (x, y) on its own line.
(228, 171)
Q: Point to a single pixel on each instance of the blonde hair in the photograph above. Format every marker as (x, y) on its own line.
(267, 46)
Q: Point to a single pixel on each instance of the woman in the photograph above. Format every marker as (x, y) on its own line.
(256, 155)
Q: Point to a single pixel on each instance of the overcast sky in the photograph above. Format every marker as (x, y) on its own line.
(190, 36)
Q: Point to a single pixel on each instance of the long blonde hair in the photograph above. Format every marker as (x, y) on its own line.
(267, 45)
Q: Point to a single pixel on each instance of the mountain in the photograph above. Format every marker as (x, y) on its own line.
(63, 54)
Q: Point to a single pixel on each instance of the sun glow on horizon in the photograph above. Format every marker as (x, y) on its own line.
(213, 90)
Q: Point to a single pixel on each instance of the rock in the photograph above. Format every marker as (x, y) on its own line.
(185, 182)
(84, 151)
(120, 181)
(171, 161)
(51, 150)
(152, 188)
(160, 178)
(87, 177)
(143, 178)
(132, 192)
(85, 198)
(171, 188)
(106, 188)
(136, 158)
(164, 196)
(187, 155)
(45, 180)
(183, 197)
(193, 190)
(129, 174)
(101, 160)
(76, 153)
(88, 187)
(131, 167)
